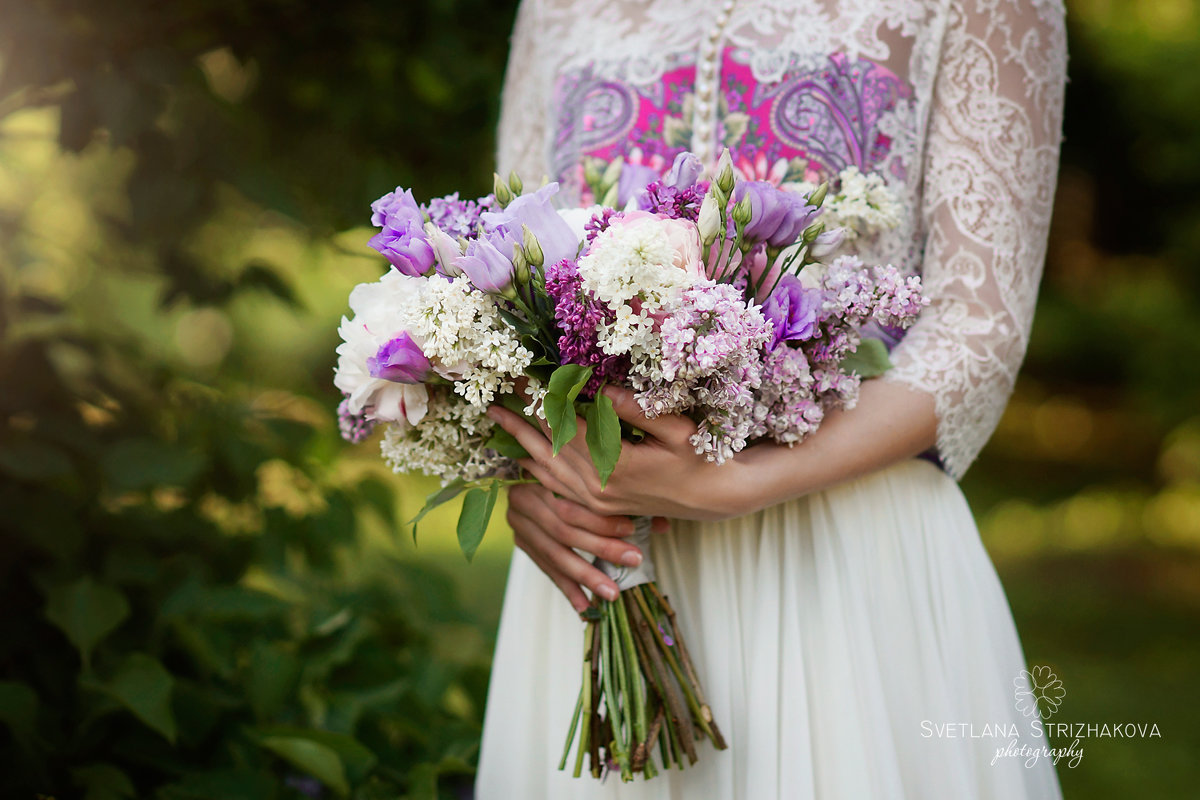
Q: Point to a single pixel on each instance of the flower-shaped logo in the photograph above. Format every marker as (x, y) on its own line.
(1039, 692)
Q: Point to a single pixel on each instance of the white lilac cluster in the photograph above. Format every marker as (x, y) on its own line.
(448, 443)
(638, 267)
(426, 356)
(461, 328)
(861, 203)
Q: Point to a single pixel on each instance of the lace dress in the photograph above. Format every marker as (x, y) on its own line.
(854, 643)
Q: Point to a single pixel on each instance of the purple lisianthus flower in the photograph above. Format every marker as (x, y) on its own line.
(777, 217)
(486, 266)
(534, 210)
(400, 361)
(684, 172)
(395, 207)
(793, 310)
(404, 244)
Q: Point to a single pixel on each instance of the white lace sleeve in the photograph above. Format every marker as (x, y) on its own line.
(521, 137)
(990, 169)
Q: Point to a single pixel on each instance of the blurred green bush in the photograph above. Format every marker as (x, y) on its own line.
(203, 593)
(192, 607)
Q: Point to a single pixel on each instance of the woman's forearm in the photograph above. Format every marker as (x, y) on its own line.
(890, 423)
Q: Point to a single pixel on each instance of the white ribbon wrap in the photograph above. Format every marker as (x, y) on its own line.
(628, 577)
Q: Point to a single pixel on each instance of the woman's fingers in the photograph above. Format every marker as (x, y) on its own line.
(582, 517)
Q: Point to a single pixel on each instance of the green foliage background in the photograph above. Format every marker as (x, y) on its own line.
(206, 595)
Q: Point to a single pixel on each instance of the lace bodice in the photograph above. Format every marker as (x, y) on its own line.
(956, 104)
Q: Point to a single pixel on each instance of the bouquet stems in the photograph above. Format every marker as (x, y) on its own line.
(639, 692)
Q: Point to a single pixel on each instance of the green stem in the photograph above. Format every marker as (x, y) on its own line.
(610, 690)
(684, 683)
(635, 674)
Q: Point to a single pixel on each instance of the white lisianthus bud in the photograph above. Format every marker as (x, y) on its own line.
(724, 177)
(818, 194)
(826, 242)
(445, 248)
(533, 250)
(610, 197)
(743, 211)
(514, 183)
(504, 195)
(612, 173)
(709, 223)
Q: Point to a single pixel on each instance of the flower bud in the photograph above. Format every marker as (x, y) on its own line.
(813, 231)
(709, 223)
(610, 197)
(591, 174)
(504, 195)
(520, 265)
(612, 173)
(533, 250)
(724, 177)
(818, 195)
(743, 211)
(446, 249)
(826, 242)
(514, 183)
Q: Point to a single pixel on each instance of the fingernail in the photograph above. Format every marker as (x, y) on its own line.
(631, 558)
(493, 414)
(609, 593)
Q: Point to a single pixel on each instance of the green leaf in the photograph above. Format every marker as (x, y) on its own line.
(142, 463)
(314, 758)
(565, 385)
(103, 782)
(603, 436)
(357, 759)
(473, 521)
(272, 678)
(443, 495)
(86, 612)
(143, 686)
(223, 784)
(506, 444)
(870, 360)
(34, 461)
(18, 710)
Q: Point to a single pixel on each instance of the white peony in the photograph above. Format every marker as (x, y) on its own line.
(375, 323)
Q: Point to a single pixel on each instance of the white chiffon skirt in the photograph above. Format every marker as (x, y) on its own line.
(853, 644)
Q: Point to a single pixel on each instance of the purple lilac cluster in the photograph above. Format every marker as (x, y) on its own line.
(354, 428)
(710, 363)
(675, 202)
(458, 217)
(579, 318)
(815, 329)
(599, 223)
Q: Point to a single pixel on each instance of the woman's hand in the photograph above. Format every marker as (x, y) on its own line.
(662, 475)
(548, 527)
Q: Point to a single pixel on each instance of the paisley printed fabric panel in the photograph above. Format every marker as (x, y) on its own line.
(822, 115)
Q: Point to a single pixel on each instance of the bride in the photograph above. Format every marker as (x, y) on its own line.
(850, 631)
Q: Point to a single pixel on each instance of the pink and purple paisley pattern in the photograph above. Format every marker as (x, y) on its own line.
(813, 122)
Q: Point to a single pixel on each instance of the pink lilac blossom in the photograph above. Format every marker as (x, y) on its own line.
(579, 318)
(354, 428)
(710, 364)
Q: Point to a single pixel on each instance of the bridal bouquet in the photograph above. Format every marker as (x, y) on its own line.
(707, 298)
